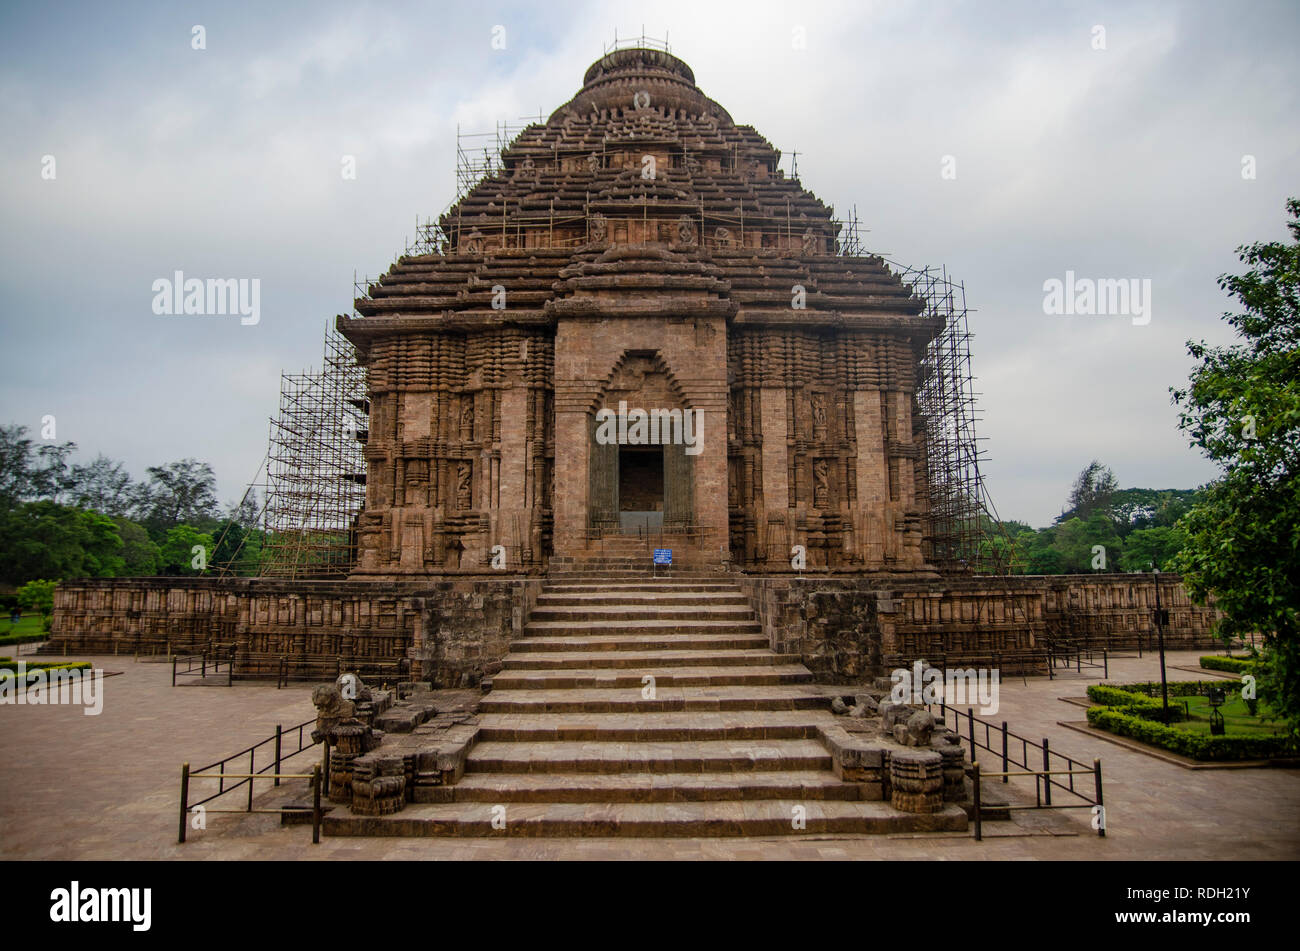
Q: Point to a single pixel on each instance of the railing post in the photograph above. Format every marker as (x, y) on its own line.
(970, 723)
(325, 762)
(1047, 779)
(1105, 660)
(185, 799)
(278, 729)
(230, 668)
(1004, 751)
(252, 771)
(173, 669)
(315, 804)
(1096, 772)
(975, 778)
(203, 665)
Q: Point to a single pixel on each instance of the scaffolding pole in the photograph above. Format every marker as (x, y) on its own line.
(962, 532)
(315, 470)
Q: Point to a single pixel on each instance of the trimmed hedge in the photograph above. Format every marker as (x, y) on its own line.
(1194, 745)
(9, 639)
(1177, 688)
(1231, 665)
(7, 664)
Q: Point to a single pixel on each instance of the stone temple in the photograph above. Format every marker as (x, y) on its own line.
(634, 332)
(641, 250)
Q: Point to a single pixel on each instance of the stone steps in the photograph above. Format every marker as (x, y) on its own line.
(609, 614)
(638, 585)
(616, 642)
(797, 785)
(657, 728)
(560, 756)
(737, 740)
(667, 700)
(632, 679)
(622, 660)
(604, 597)
(641, 819)
(649, 628)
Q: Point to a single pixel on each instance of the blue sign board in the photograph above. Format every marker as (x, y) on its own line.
(663, 556)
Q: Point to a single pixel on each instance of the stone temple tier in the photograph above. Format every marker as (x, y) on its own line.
(640, 251)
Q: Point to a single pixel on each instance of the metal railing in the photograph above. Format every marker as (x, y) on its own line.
(1001, 742)
(198, 665)
(1060, 655)
(270, 770)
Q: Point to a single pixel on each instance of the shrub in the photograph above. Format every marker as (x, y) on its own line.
(1193, 745)
(1231, 665)
(1134, 702)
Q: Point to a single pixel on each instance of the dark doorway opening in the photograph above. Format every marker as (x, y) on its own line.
(640, 487)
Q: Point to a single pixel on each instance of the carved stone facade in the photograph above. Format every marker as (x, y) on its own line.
(640, 249)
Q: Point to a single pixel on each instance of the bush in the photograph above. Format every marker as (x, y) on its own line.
(1177, 688)
(1137, 703)
(9, 640)
(7, 664)
(1231, 665)
(1192, 745)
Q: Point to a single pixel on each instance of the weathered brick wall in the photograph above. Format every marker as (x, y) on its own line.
(453, 632)
(845, 628)
(831, 623)
(468, 625)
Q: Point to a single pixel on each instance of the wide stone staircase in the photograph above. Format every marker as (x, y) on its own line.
(654, 707)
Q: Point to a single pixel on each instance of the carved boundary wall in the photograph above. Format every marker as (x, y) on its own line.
(455, 631)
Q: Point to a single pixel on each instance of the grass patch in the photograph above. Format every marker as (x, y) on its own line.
(28, 629)
(1133, 710)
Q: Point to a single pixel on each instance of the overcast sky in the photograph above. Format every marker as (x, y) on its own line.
(1117, 162)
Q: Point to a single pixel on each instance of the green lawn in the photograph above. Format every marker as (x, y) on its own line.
(1236, 717)
(29, 624)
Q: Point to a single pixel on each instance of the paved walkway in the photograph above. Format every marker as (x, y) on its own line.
(106, 787)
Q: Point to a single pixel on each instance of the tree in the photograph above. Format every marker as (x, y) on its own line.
(102, 485)
(47, 540)
(178, 551)
(179, 492)
(38, 596)
(1148, 547)
(1092, 490)
(1242, 410)
(141, 555)
(28, 472)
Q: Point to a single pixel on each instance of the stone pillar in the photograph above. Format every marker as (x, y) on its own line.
(776, 487)
(572, 458)
(872, 474)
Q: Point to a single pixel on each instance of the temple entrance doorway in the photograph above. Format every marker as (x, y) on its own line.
(640, 489)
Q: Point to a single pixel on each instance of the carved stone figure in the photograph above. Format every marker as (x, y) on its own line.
(593, 163)
(599, 228)
(686, 231)
(331, 709)
(722, 237)
(917, 730)
(464, 495)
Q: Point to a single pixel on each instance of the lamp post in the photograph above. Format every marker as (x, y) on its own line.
(1160, 619)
